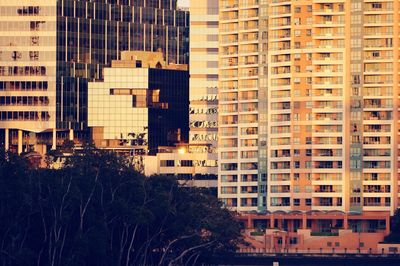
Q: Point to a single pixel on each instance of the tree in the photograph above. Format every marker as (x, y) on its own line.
(96, 210)
(16, 206)
(394, 236)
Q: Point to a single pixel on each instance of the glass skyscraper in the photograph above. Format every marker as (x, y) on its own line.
(51, 49)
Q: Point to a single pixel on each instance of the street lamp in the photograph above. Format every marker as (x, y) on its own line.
(182, 150)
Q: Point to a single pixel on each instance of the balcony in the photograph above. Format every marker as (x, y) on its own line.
(230, 4)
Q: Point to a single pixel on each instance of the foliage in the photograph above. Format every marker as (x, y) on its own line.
(97, 210)
(394, 236)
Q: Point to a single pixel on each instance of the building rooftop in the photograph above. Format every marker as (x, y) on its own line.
(142, 59)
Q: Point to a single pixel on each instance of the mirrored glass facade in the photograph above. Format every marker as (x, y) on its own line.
(49, 50)
(203, 137)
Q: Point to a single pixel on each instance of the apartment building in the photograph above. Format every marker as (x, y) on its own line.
(331, 73)
(203, 94)
(242, 106)
(50, 50)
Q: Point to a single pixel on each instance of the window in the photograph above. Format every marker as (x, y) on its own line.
(297, 9)
(296, 202)
(167, 163)
(356, 79)
(376, 5)
(308, 202)
(355, 42)
(355, 91)
(356, 19)
(355, 68)
(186, 163)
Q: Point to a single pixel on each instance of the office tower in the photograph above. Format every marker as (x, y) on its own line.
(204, 85)
(332, 96)
(242, 106)
(51, 49)
(141, 104)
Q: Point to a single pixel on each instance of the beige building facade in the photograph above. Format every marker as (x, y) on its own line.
(242, 107)
(188, 168)
(27, 71)
(203, 111)
(331, 75)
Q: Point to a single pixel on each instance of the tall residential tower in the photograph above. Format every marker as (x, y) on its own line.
(330, 72)
(242, 105)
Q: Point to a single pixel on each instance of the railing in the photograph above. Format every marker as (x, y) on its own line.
(325, 252)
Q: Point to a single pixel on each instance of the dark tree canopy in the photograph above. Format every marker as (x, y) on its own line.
(394, 236)
(96, 210)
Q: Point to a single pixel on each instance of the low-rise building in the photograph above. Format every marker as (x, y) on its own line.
(141, 104)
(183, 162)
(315, 232)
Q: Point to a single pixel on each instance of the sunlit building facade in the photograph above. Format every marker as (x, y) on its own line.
(204, 85)
(141, 104)
(332, 98)
(51, 49)
(242, 106)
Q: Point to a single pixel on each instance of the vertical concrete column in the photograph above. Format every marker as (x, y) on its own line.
(272, 243)
(304, 221)
(272, 221)
(249, 224)
(7, 139)
(19, 141)
(387, 224)
(283, 242)
(71, 134)
(346, 222)
(54, 146)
